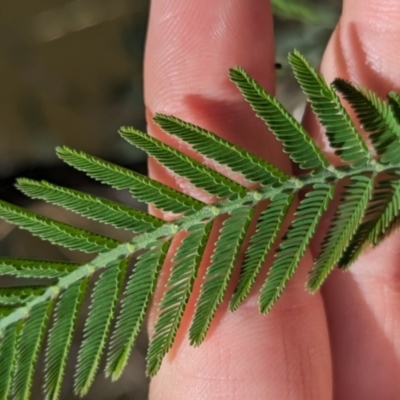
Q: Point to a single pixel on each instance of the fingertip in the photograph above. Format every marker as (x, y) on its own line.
(191, 46)
(364, 46)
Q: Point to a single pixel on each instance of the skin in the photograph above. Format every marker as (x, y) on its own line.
(342, 343)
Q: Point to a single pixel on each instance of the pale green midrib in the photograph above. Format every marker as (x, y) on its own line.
(168, 230)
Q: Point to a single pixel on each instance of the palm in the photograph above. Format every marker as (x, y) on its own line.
(341, 344)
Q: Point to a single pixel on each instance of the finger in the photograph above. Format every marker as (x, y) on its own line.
(190, 47)
(363, 305)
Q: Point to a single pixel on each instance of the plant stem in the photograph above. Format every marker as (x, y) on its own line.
(208, 213)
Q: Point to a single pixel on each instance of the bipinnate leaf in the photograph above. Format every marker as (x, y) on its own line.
(19, 294)
(142, 188)
(198, 174)
(137, 295)
(219, 272)
(394, 104)
(26, 268)
(60, 338)
(389, 218)
(294, 244)
(383, 208)
(367, 212)
(178, 289)
(8, 353)
(98, 324)
(28, 350)
(304, 12)
(345, 222)
(376, 119)
(208, 144)
(393, 226)
(56, 232)
(296, 142)
(339, 127)
(268, 227)
(95, 208)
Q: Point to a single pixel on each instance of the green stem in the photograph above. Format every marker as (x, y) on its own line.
(168, 230)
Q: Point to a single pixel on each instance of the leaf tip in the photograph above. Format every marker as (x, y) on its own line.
(153, 366)
(314, 282)
(233, 305)
(236, 73)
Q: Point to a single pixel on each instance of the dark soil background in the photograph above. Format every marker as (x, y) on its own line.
(71, 73)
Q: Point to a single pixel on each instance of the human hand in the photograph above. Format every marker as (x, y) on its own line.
(342, 343)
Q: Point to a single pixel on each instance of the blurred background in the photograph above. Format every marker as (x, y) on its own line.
(71, 73)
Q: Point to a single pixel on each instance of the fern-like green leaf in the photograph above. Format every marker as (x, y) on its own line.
(138, 292)
(208, 144)
(394, 104)
(389, 218)
(20, 294)
(376, 119)
(8, 353)
(54, 231)
(96, 208)
(305, 12)
(340, 129)
(295, 243)
(393, 225)
(219, 272)
(296, 142)
(178, 289)
(60, 338)
(346, 220)
(142, 188)
(28, 350)
(199, 175)
(23, 268)
(368, 211)
(268, 227)
(98, 324)
(383, 208)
